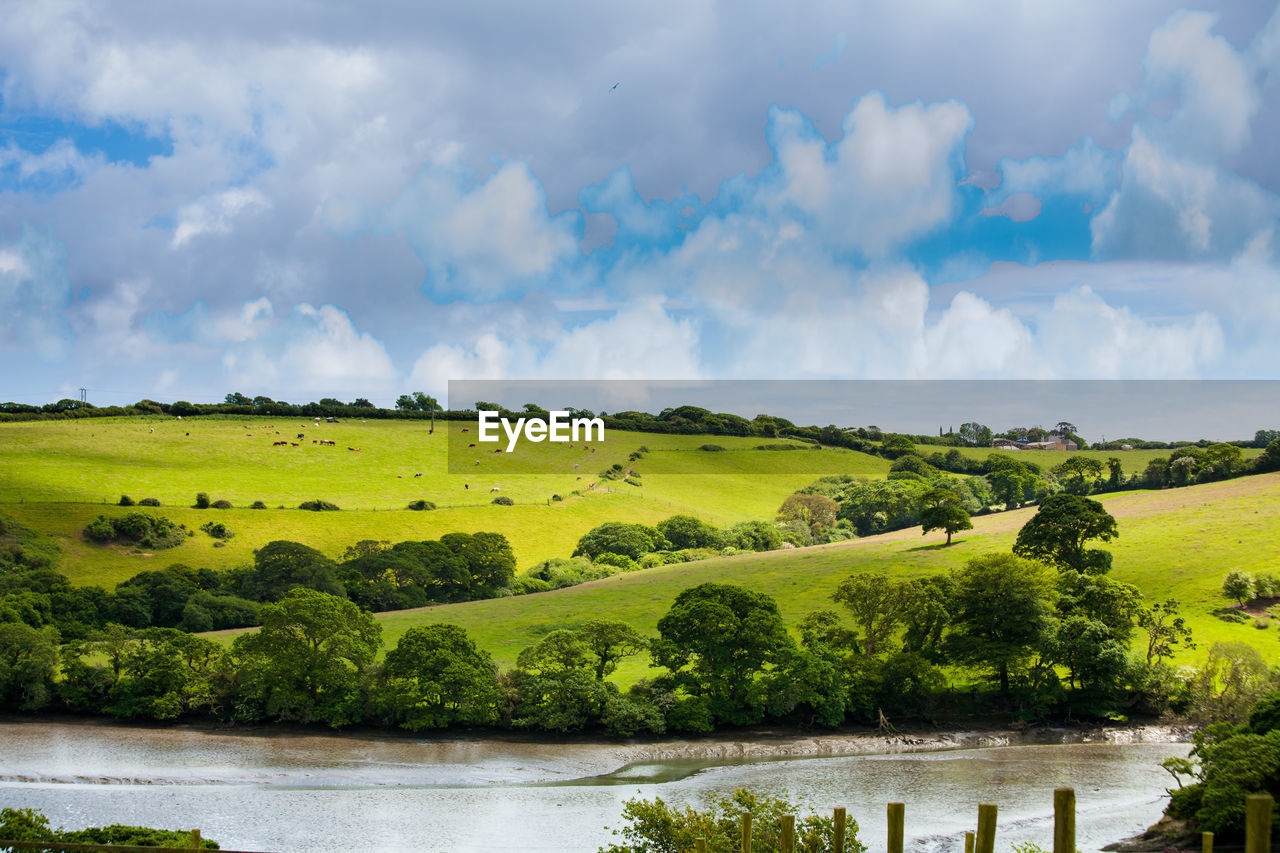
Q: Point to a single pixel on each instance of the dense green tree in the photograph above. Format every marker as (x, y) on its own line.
(1059, 530)
(1011, 482)
(490, 562)
(1225, 459)
(617, 537)
(164, 674)
(716, 640)
(1270, 458)
(1003, 613)
(814, 511)
(1079, 474)
(1238, 586)
(281, 565)
(555, 684)
(28, 660)
(685, 531)
(878, 605)
(940, 509)
(608, 641)
(436, 676)
(975, 434)
(753, 536)
(307, 661)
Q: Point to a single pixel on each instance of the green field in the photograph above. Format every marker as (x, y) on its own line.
(1174, 543)
(57, 476)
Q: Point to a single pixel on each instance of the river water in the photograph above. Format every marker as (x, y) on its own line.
(302, 792)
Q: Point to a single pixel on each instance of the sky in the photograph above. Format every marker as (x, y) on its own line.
(311, 199)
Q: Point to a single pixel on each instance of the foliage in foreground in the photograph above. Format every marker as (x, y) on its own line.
(32, 825)
(655, 827)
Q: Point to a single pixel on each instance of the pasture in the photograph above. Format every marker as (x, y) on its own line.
(57, 476)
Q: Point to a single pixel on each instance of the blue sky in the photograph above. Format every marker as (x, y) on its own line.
(320, 200)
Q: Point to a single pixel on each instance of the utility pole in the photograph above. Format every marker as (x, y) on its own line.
(83, 392)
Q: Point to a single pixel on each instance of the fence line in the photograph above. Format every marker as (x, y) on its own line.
(1257, 827)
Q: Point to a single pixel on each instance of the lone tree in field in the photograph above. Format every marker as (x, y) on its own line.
(941, 510)
(1057, 534)
(1238, 586)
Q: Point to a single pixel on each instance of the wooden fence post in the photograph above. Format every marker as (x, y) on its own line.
(1206, 842)
(1064, 820)
(746, 833)
(839, 817)
(700, 845)
(788, 833)
(897, 817)
(1257, 823)
(968, 842)
(196, 841)
(985, 840)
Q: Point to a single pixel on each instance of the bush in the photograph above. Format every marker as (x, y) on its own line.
(318, 506)
(149, 502)
(421, 505)
(631, 481)
(503, 500)
(217, 530)
(148, 531)
(619, 561)
(711, 448)
(221, 504)
(525, 584)
(555, 499)
(125, 500)
(257, 505)
(1266, 586)
(202, 500)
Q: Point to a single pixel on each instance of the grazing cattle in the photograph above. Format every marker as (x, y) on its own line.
(466, 485)
(279, 443)
(356, 449)
(188, 433)
(464, 429)
(293, 444)
(301, 435)
(495, 489)
(577, 478)
(419, 474)
(497, 450)
(399, 476)
(153, 429)
(575, 465)
(472, 444)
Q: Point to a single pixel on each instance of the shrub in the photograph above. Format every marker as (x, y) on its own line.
(217, 530)
(503, 500)
(318, 505)
(202, 500)
(257, 505)
(125, 500)
(525, 584)
(149, 502)
(711, 448)
(555, 499)
(1266, 586)
(619, 561)
(148, 531)
(221, 504)
(631, 481)
(421, 505)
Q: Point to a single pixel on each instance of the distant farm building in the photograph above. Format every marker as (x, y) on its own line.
(1051, 443)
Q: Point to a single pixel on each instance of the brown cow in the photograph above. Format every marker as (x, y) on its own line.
(356, 449)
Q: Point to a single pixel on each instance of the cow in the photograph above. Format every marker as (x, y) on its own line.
(301, 435)
(472, 444)
(153, 429)
(355, 449)
(278, 443)
(293, 444)
(466, 485)
(464, 429)
(495, 489)
(419, 474)
(497, 450)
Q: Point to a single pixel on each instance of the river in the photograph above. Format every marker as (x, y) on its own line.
(282, 791)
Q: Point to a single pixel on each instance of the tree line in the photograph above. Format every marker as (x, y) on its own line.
(1043, 632)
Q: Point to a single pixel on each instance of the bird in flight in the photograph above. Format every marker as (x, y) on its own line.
(614, 86)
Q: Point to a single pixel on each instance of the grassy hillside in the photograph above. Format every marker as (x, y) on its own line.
(57, 476)
(1176, 543)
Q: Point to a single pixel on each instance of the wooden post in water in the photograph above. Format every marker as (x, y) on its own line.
(1257, 823)
(838, 845)
(788, 833)
(746, 833)
(897, 817)
(196, 840)
(1206, 842)
(1064, 820)
(985, 840)
(968, 842)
